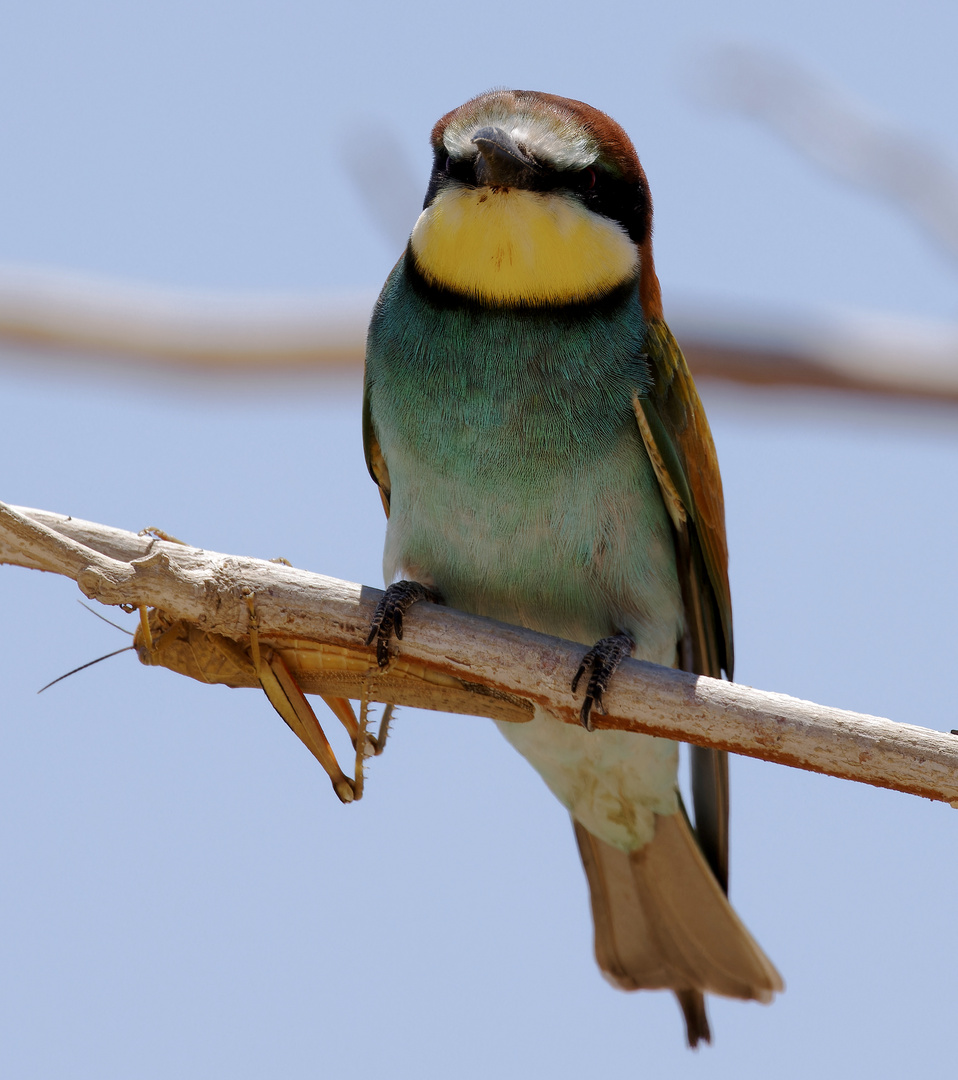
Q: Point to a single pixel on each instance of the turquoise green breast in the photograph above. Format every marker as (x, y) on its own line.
(490, 388)
(520, 485)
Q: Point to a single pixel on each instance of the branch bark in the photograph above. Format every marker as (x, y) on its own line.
(463, 663)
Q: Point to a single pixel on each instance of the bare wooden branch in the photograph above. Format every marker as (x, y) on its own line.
(463, 663)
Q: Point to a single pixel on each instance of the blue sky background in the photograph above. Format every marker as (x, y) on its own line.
(181, 893)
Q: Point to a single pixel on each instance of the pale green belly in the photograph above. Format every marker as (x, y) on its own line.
(580, 555)
(614, 782)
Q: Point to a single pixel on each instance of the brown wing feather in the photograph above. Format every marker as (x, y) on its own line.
(375, 462)
(679, 442)
(676, 423)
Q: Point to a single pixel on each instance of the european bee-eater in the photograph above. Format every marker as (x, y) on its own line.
(544, 459)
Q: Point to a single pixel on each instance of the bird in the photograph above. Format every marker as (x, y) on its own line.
(544, 459)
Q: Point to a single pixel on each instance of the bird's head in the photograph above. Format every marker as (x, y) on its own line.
(535, 200)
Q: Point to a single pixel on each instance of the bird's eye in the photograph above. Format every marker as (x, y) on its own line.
(588, 179)
(458, 169)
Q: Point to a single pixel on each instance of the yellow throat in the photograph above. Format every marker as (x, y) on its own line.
(511, 246)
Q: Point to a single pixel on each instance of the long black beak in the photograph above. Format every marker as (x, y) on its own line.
(500, 162)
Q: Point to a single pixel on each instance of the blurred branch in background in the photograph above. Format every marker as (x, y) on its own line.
(870, 353)
(117, 322)
(460, 663)
(838, 134)
(86, 319)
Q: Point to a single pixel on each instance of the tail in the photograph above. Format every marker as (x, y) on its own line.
(662, 922)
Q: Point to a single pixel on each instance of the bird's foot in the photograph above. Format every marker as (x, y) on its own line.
(603, 658)
(397, 600)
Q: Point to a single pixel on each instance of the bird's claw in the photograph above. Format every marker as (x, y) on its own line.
(603, 659)
(388, 618)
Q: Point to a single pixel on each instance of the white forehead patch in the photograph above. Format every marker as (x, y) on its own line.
(546, 134)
